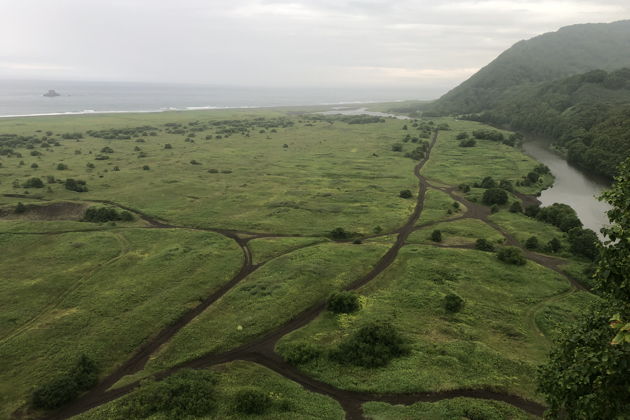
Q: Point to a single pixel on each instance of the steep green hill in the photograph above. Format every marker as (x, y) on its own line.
(587, 114)
(571, 50)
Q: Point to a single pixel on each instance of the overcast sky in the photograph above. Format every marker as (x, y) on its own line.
(275, 42)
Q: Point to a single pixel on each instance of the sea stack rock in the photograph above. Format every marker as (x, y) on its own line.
(51, 93)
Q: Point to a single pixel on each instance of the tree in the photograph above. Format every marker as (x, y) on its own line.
(436, 236)
(554, 245)
(494, 196)
(584, 242)
(587, 375)
(405, 194)
(343, 302)
(511, 255)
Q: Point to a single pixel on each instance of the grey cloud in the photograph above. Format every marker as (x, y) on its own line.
(276, 42)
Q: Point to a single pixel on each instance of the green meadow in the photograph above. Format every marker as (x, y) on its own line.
(306, 205)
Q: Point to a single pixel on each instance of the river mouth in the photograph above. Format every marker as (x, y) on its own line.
(572, 186)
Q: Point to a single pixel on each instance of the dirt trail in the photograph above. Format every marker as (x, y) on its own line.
(262, 350)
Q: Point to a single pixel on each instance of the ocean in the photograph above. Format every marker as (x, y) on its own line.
(24, 98)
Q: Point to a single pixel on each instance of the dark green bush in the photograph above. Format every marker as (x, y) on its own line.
(584, 242)
(554, 245)
(252, 401)
(373, 345)
(343, 302)
(516, 207)
(436, 236)
(532, 243)
(59, 391)
(484, 245)
(300, 353)
(405, 194)
(339, 234)
(34, 183)
(55, 393)
(186, 394)
(511, 255)
(453, 303)
(494, 196)
(62, 167)
(75, 185)
(20, 208)
(488, 182)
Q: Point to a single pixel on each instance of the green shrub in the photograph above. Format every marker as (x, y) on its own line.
(516, 207)
(300, 353)
(343, 302)
(55, 393)
(252, 401)
(405, 194)
(145, 167)
(186, 394)
(436, 236)
(484, 245)
(59, 391)
(468, 143)
(488, 182)
(75, 185)
(373, 345)
(20, 208)
(495, 196)
(34, 183)
(532, 243)
(453, 303)
(554, 245)
(339, 234)
(106, 214)
(62, 167)
(511, 255)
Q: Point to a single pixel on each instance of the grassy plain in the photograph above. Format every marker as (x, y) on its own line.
(490, 344)
(69, 287)
(98, 293)
(454, 165)
(269, 297)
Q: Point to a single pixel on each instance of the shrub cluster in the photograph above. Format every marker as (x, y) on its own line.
(106, 214)
(373, 345)
(186, 394)
(252, 401)
(300, 353)
(343, 302)
(64, 389)
(511, 255)
(484, 245)
(75, 185)
(34, 183)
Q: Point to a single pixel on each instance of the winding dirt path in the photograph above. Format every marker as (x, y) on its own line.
(262, 349)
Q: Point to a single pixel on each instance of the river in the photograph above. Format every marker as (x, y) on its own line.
(571, 186)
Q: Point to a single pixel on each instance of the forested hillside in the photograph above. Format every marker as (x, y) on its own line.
(572, 86)
(587, 114)
(571, 50)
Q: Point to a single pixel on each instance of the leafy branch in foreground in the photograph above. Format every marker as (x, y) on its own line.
(588, 372)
